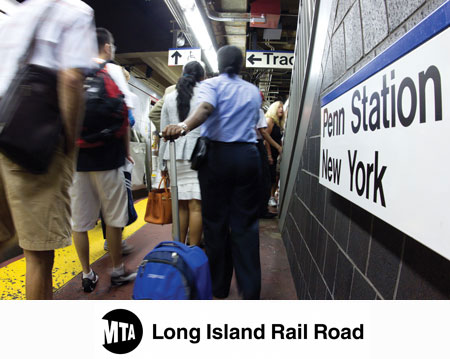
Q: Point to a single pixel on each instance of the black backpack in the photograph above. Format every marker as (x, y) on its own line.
(106, 116)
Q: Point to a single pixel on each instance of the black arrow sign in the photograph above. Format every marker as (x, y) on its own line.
(177, 55)
(252, 59)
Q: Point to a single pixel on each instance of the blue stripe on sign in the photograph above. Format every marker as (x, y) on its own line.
(425, 30)
(185, 48)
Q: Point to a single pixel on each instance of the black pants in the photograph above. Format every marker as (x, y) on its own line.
(265, 183)
(229, 183)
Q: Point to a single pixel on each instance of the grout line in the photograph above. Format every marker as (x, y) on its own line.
(400, 267)
(387, 21)
(339, 247)
(370, 246)
(325, 203)
(370, 283)
(296, 262)
(351, 284)
(295, 254)
(310, 254)
(325, 254)
(311, 174)
(335, 274)
(362, 29)
(349, 227)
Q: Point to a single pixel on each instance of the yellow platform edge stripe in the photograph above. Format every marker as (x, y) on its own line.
(67, 265)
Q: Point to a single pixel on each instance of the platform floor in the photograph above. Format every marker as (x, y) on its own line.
(277, 282)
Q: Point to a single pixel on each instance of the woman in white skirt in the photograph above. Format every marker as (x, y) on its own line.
(177, 106)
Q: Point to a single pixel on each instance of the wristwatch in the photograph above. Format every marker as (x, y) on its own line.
(184, 127)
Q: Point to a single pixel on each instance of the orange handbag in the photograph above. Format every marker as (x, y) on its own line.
(159, 205)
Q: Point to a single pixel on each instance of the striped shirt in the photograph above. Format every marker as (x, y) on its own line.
(66, 39)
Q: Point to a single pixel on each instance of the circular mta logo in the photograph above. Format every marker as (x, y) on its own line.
(122, 331)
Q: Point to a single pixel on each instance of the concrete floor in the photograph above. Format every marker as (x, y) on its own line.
(277, 282)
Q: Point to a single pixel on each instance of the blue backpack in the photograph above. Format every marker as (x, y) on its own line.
(173, 270)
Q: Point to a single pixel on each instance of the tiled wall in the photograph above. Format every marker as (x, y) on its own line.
(336, 249)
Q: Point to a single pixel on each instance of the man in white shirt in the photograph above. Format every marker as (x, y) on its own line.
(35, 209)
(99, 183)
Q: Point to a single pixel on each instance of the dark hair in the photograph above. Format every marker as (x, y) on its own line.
(193, 72)
(103, 37)
(230, 60)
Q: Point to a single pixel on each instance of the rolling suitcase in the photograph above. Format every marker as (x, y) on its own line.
(173, 270)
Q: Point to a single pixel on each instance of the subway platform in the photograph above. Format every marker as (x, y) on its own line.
(277, 281)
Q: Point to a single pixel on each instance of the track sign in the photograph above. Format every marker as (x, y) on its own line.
(180, 57)
(270, 59)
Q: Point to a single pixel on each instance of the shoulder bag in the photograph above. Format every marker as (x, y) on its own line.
(30, 122)
(159, 205)
(200, 153)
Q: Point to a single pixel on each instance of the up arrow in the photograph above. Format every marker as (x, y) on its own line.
(252, 59)
(176, 55)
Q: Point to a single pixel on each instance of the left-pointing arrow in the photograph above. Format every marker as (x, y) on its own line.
(252, 59)
(176, 55)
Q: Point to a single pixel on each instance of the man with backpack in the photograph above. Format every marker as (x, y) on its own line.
(104, 147)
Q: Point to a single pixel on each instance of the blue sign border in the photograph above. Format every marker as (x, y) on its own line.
(271, 51)
(185, 48)
(432, 25)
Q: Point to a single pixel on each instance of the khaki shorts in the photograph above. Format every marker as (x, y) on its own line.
(36, 208)
(95, 191)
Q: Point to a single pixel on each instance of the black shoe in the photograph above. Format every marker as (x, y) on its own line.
(89, 284)
(120, 279)
(268, 215)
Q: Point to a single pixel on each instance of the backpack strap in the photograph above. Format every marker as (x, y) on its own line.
(103, 65)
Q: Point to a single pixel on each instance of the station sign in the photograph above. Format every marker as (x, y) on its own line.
(269, 59)
(384, 135)
(180, 57)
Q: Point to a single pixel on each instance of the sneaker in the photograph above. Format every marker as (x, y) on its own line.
(272, 202)
(89, 284)
(126, 248)
(125, 277)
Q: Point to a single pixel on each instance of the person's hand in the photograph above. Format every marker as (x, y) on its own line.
(270, 160)
(129, 158)
(172, 132)
(280, 149)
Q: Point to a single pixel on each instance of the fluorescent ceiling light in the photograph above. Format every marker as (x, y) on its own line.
(198, 28)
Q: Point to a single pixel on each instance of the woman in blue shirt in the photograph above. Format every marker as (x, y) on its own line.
(228, 111)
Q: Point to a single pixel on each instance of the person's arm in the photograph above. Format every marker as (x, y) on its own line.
(116, 73)
(269, 151)
(126, 139)
(77, 47)
(269, 140)
(155, 114)
(71, 104)
(199, 116)
(163, 144)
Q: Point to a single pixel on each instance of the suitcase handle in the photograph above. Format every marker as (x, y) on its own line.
(172, 244)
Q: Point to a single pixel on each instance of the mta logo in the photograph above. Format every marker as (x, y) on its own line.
(122, 331)
(112, 332)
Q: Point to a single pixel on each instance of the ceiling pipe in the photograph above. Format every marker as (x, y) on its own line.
(230, 16)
